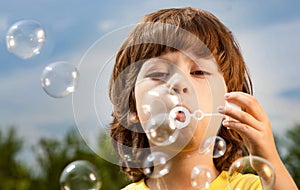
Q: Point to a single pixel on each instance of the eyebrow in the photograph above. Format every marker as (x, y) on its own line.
(157, 59)
(192, 59)
(151, 63)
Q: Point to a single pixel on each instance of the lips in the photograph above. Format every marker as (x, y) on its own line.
(180, 116)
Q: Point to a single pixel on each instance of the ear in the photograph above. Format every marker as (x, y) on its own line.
(132, 118)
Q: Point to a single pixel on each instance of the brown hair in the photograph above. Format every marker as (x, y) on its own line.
(127, 138)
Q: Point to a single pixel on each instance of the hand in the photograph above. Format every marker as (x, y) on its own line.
(255, 129)
(251, 123)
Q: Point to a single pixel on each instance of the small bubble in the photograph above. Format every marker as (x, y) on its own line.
(59, 79)
(80, 175)
(201, 177)
(25, 38)
(161, 131)
(160, 162)
(215, 145)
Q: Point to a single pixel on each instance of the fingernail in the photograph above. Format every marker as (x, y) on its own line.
(221, 109)
(225, 122)
(227, 95)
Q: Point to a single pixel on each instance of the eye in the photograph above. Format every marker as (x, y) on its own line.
(158, 75)
(199, 73)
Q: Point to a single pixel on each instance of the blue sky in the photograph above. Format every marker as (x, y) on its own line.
(267, 31)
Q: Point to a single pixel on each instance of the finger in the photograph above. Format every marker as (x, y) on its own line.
(248, 103)
(240, 116)
(241, 128)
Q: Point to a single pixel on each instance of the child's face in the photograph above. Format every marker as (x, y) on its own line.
(173, 80)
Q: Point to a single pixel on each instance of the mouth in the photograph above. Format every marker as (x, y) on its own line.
(180, 116)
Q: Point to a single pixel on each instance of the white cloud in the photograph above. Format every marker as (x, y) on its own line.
(3, 25)
(272, 57)
(25, 103)
(106, 25)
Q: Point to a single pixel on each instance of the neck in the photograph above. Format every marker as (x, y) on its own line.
(179, 176)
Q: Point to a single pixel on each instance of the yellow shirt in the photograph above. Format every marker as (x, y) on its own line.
(239, 181)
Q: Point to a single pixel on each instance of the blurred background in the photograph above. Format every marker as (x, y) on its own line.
(38, 133)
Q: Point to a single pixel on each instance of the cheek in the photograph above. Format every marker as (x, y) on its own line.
(201, 129)
(204, 97)
(143, 101)
(139, 92)
(210, 94)
(218, 89)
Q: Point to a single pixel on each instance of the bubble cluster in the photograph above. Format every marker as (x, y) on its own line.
(80, 175)
(59, 79)
(25, 38)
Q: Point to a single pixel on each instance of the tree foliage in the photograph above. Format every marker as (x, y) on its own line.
(52, 156)
(292, 157)
(13, 174)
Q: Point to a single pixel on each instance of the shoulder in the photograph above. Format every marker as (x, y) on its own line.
(137, 186)
(237, 181)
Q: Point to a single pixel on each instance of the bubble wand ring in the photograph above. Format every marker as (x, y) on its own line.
(197, 115)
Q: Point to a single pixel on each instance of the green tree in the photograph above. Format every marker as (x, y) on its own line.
(53, 156)
(292, 157)
(50, 156)
(13, 173)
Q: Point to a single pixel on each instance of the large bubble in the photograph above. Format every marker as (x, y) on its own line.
(59, 79)
(80, 175)
(25, 38)
(169, 121)
(164, 99)
(251, 171)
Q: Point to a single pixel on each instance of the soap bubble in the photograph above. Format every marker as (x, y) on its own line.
(201, 177)
(80, 175)
(248, 167)
(59, 79)
(96, 66)
(215, 145)
(161, 131)
(180, 116)
(158, 100)
(25, 38)
(161, 110)
(157, 164)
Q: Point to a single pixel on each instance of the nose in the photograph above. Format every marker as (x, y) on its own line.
(177, 84)
(179, 90)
